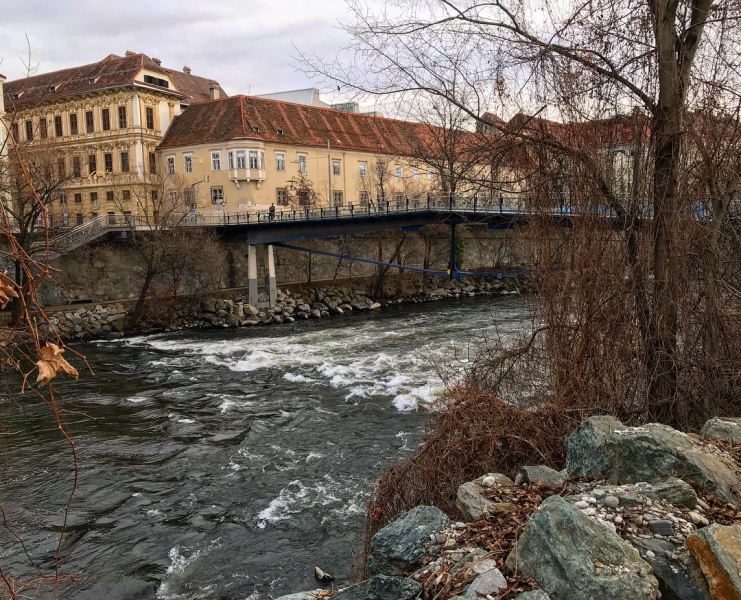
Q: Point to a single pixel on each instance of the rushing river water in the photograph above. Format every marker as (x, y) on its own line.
(227, 464)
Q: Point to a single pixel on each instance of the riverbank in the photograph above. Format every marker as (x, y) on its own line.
(112, 321)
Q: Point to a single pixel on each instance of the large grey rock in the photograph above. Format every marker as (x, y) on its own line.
(401, 544)
(489, 583)
(470, 501)
(604, 447)
(722, 428)
(717, 549)
(381, 587)
(678, 573)
(561, 549)
(541, 473)
(533, 595)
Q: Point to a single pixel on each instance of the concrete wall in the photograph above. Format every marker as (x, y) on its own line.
(112, 270)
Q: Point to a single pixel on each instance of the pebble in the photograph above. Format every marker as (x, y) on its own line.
(650, 554)
(590, 512)
(612, 501)
(582, 504)
(618, 519)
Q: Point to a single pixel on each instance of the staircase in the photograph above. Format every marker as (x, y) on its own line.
(76, 237)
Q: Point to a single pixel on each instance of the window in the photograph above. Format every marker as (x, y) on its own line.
(399, 172)
(216, 161)
(253, 160)
(106, 118)
(336, 167)
(415, 173)
(126, 195)
(43, 129)
(217, 195)
(111, 218)
(364, 198)
(171, 165)
(108, 162)
(29, 130)
(281, 196)
(78, 198)
(89, 123)
(189, 195)
(78, 219)
(92, 164)
(73, 124)
(303, 198)
(156, 81)
(94, 215)
(122, 117)
(241, 159)
(280, 161)
(61, 168)
(188, 163)
(173, 195)
(150, 117)
(94, 198)
(231, 160)
(337, 196)
(363, 169)
(302, 163)
(399, 197)
(124, 162)
(429, 175)
(109, 196)
(14, 131)
(154, 195)
(76, 167)
(152, 163)
(58, 126)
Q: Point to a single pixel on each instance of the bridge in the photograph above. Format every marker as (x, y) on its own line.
(289, 225)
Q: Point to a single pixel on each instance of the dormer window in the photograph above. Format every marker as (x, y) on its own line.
(256, 129)
(16, 95)
(156, 81)
(53, 88)
(93, 80)
(279, 131)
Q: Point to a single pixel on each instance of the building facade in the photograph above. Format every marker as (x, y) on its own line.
(97, 128)
(246, 153)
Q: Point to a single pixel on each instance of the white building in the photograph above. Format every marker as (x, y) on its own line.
(308, 96)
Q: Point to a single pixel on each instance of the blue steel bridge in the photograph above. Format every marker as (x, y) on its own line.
(289, 225)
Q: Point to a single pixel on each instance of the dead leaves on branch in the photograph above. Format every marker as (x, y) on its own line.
(51, 363)
(7, 291)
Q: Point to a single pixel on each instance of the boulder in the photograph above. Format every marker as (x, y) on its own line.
(381, 587)
(489, 583)
(722, 428)
(541, 473)
(471, 502)
(717, 549)
(573, 557)
(401, 544)
(604, 447)
(678, 573)
(533, 595)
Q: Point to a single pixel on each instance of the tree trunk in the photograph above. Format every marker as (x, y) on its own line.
(136, 315)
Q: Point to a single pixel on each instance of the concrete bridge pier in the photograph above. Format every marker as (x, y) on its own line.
(271, 285)
(252, 274)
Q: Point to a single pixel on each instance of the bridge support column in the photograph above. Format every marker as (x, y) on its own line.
(252, 274)
(272, 287)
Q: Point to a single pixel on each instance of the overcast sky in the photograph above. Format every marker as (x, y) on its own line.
(246, 45)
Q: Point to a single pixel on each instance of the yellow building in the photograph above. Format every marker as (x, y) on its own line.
(245, 153)
(98, 126)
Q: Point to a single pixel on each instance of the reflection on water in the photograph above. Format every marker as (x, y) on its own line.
(227, 464)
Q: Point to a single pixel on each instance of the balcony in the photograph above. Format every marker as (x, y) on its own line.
(247, 175)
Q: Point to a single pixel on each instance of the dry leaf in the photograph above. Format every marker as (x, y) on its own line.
(51, 362)
(7, 291)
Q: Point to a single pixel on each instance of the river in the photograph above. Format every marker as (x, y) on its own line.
(228, 464)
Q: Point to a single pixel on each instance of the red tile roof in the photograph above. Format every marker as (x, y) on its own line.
(247, 117)
(111, 72)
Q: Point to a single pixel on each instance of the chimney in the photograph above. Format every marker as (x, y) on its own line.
(214, 90)
(130, 53)
(156, 61)
(186, 70)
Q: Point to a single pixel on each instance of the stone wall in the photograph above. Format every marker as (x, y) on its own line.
(110, 269)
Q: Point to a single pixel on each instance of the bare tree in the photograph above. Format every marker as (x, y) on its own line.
(574, 63)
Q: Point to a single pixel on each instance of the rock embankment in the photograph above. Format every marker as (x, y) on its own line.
(639, 513)
(111, 321)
